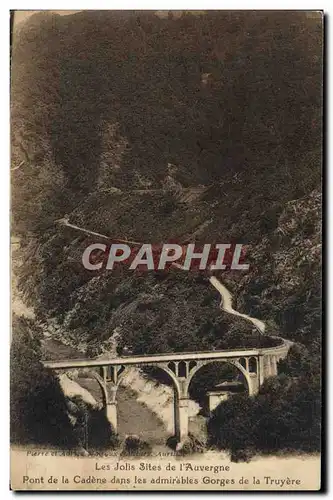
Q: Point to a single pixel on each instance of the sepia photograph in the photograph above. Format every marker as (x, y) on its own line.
(166, 250)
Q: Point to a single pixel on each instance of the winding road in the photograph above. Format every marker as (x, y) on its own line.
(226, 304)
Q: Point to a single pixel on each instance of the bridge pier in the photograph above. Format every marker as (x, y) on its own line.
(253, 383)
(270, 366)
(273, 366)
(181, 418)
(110, 403)
(111, 414)
(261, 370)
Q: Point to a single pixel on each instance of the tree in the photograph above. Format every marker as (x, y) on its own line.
(37, 405)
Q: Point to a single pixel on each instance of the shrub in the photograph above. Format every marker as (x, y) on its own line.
(92, 429)
(134, 446)
(38, 409)
(285, 416)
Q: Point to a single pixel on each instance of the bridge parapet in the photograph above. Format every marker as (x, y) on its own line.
(149, 359)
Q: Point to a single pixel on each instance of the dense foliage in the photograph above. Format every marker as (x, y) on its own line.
(40, 413)
(284, 416)
(38, 408)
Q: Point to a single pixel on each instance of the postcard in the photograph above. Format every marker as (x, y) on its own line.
(166, 220)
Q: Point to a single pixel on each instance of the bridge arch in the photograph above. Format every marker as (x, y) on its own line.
(93, 374)
(115, 385)
(199, 366)
(110, 390)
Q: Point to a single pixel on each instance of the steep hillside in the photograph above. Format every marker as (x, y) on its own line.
(285, 282)
(197, 128)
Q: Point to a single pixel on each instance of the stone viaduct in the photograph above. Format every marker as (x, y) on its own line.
(256, 365)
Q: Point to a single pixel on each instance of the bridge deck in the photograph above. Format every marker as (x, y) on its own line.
(154, 358)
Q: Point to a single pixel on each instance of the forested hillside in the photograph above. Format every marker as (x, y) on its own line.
(200, 127)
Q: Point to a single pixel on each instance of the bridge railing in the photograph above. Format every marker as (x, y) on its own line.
(171, 356)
